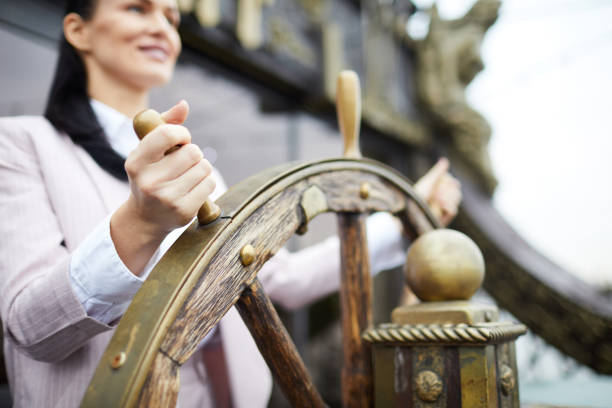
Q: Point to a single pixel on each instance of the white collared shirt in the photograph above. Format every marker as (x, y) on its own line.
(117, 127)
(105, 286)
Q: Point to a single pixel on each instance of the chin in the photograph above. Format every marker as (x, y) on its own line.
(152, 79)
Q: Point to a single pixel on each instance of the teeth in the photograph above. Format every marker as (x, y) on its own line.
(156, 54)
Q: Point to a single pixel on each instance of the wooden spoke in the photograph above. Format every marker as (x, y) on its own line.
(356, 302)
(277, 348)
(161, 388)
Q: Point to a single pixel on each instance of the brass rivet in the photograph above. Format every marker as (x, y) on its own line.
(429, 386)
(247, 254)
(507, 380)
(364, 190)
(118, 360)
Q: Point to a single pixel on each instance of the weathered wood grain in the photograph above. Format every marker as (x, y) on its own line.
(277, 348)
(267, 230)
(161, 387)
(356, 304)
(342, 192)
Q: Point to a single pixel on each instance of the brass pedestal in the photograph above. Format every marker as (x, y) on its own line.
(445, 354)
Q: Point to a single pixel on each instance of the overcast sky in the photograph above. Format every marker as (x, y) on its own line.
(546, 91)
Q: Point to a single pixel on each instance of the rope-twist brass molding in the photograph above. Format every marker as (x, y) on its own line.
(447, 334)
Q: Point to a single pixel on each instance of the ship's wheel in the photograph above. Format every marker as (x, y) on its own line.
(213, 267)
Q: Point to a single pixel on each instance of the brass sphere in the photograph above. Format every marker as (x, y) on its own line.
(444, 264)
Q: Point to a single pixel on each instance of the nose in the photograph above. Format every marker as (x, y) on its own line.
(159, 24)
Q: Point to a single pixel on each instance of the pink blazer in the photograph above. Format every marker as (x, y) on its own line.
(52, 194)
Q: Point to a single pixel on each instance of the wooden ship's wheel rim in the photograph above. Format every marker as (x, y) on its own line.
(171, 313)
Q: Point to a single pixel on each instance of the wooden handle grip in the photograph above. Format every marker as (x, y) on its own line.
(144, 123)
(348, 107)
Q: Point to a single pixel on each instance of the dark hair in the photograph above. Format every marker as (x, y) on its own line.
(68, 107)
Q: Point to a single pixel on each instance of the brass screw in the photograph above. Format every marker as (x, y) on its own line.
(118, 361)
(247, 254)
(429, 386)
(364, 190)
(507, 380)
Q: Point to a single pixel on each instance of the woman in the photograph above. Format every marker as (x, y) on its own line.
(92, 210)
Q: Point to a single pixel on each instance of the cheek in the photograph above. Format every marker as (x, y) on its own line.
(176, 41)
(111, 42)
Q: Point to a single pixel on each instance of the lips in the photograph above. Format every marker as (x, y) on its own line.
(156, 52)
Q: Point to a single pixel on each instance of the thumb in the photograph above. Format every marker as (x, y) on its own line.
(177, 114)
(426, 184)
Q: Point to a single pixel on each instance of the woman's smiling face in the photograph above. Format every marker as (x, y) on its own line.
(135, 42)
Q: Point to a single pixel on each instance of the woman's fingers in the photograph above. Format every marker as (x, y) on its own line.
(426, 185)
(187, 205)
(441, 191)
(164, 137)
(198, 194)
(173, 165)
(448, 189)
(176, 114)
(175, 202)
(447, 197)
(182, 185)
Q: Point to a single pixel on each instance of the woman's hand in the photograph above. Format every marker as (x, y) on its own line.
(441, 191)
(166, 189)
